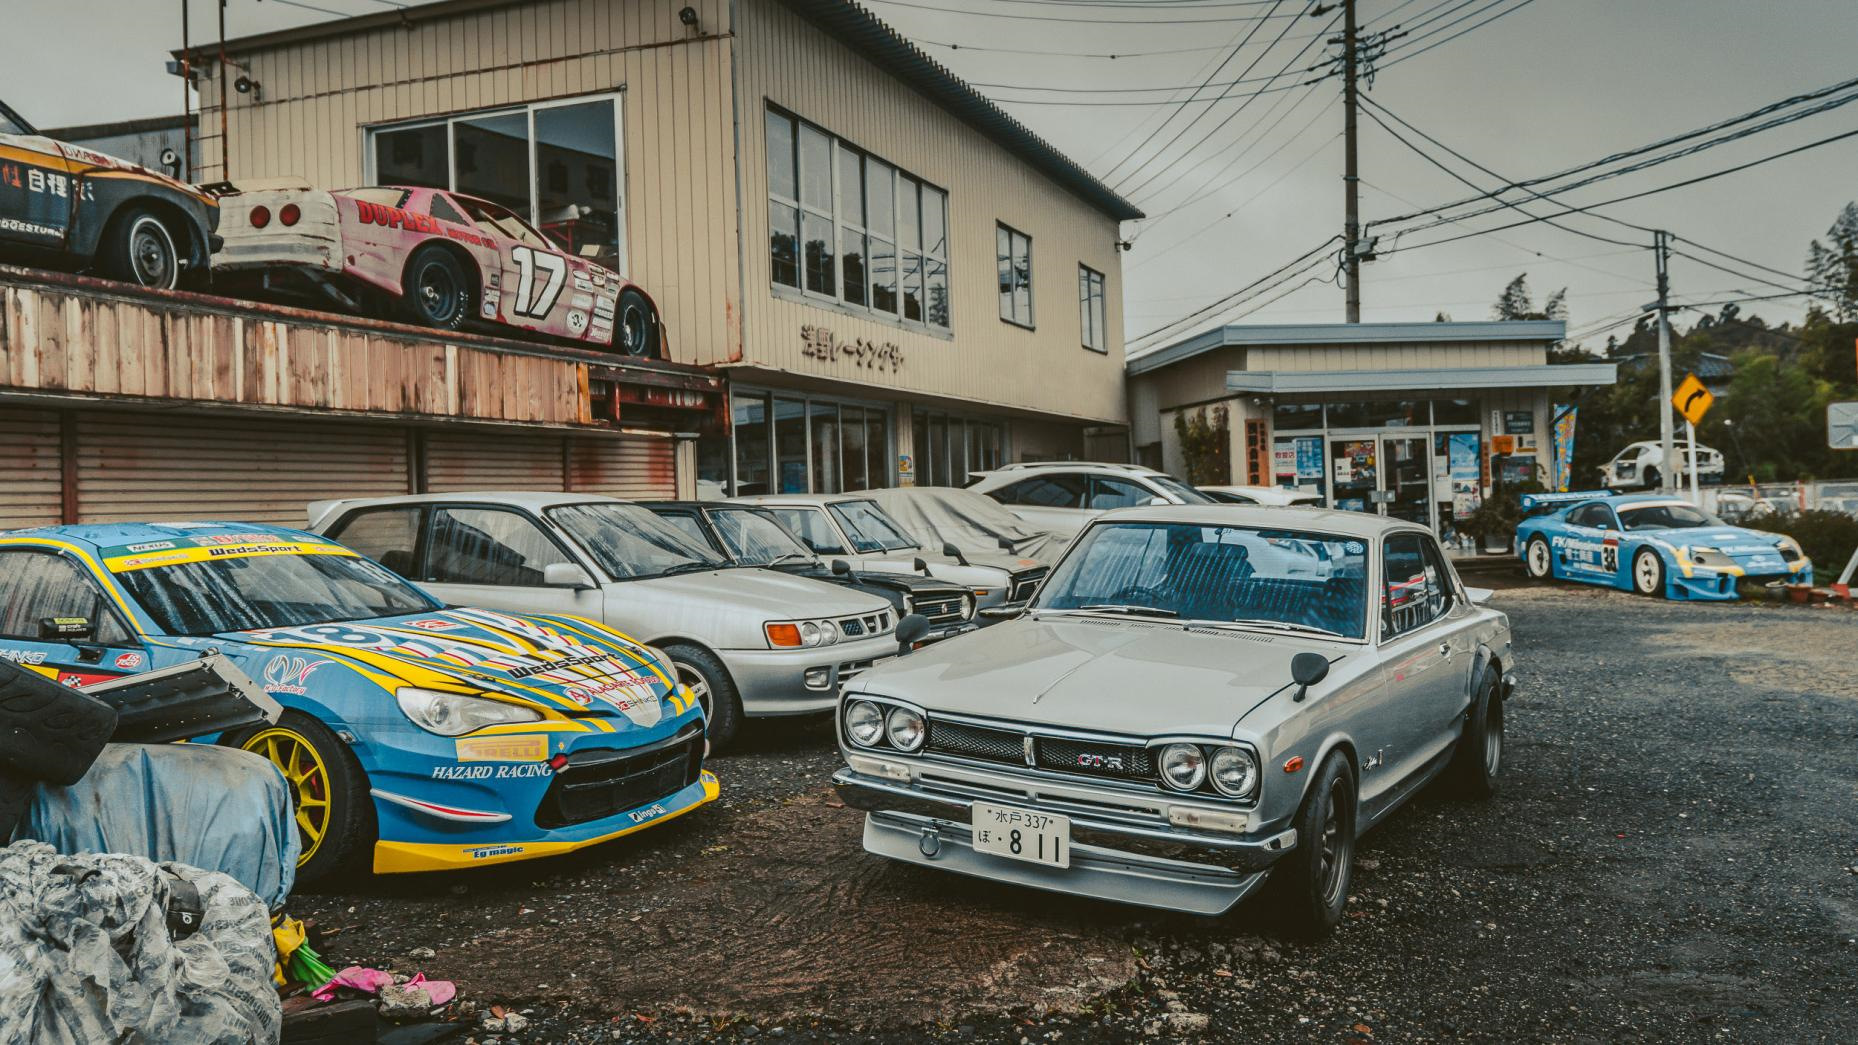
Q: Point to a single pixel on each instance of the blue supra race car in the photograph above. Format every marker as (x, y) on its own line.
(417, 736)
(1652, 544)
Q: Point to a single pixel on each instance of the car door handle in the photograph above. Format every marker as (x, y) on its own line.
(1445, 650)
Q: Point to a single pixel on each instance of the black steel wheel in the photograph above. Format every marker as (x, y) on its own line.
(139, 248)
(636, 332)
(1311, 882)
(436, 291)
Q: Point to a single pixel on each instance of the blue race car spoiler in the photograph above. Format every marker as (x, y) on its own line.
(1541, 503)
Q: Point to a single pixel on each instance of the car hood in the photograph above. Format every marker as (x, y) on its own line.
(762, 593)
(1733, 541)
(566, 665)
(1092, 673)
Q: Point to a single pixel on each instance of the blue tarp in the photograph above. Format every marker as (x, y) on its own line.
(214, 808)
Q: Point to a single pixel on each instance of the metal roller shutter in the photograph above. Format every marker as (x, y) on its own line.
(631, 466)
(30, 482)
(166, 467)
(517, 461)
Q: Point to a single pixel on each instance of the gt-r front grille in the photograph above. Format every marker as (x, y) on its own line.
(965, 741)
(1076, 756)
(601, 782)
(1024, 583)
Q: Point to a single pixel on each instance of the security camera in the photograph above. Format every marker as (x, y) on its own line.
(688, 16)
(169, 157)
(246, 85)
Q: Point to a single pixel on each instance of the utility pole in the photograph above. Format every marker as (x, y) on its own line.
(1351, 179)
(1668, 478)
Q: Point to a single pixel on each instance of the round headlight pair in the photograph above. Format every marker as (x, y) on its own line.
(1233, 770)
(867, 725)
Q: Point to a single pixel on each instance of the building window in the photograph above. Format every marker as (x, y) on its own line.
(554, 163)
(949, 450)
(1090, 308)
(844, 224)
(805, 445)
(1015, 254)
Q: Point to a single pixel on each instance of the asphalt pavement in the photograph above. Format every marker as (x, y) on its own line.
(1673, 856)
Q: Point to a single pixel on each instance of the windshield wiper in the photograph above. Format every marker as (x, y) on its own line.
(789, 557)
(689, 567)
(1280, 625)
(1131, 610)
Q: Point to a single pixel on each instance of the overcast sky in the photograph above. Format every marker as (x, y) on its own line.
(1553, 84)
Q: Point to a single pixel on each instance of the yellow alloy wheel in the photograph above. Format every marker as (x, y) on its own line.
(303, 769)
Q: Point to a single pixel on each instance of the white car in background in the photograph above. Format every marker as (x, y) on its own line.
(1063, 496)
(1273, 496)
(1641, 465)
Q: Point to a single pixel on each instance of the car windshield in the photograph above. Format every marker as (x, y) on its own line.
(629, 542)
(490, 215)
(1181, 491)
(869, 529)
(257, 591)
(10, 123)
(754, 539)
(1226, 574)
(1673, 516)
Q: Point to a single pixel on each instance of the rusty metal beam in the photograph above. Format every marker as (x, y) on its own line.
(70, 506)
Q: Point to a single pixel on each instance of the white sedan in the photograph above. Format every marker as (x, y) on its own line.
(1275, 496)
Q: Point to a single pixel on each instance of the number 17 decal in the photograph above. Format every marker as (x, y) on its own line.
(532, 301)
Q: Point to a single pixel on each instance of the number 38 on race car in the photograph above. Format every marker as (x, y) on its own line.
(436, 258)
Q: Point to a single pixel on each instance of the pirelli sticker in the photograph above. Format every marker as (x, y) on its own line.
(524, 748)
(219, 550)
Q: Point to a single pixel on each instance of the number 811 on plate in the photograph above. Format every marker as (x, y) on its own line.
(1021, 834)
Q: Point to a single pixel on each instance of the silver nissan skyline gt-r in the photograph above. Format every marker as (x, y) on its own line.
(1201, 700)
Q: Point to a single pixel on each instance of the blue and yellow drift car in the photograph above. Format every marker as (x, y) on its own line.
(1652, 544)
(421, 737)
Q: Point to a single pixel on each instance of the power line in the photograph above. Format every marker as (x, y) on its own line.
(1069, 54)
(1290, 269)
(1743, 275)
(1255, 197)
(1130, 189)
(1406, 52)
(1626, 154)
(1087, 21)
(1649, 192)
(1205, 192)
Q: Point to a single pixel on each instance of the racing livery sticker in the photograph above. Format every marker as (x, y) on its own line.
(528, 747)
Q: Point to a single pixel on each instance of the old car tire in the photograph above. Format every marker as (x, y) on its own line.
(1539, 562)
(328, 792)
(1648, 573)
(138, 247)
(1479, 758)
(1311, 883)
(436, 291)
(635, 331)
(699, 669)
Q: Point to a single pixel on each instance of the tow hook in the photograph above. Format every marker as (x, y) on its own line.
(930, 843)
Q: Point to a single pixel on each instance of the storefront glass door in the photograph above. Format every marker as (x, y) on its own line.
(1388, 474)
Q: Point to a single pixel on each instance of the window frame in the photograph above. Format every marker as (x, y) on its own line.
(132, 635)
(621, 186)
(1031, 322)
(421, 515)
(867, 231)
(1093, 308)
(1430, 555)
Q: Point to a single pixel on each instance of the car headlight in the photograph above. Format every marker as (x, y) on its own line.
(909, 605)
(864, 723)
(455, 714)
(1183, 766)
(905, 729)
(809, 633)
(1790, 549)
(1708, 558)
(796, 634)
(1234, 771)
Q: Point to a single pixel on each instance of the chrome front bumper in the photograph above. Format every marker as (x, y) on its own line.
(1152, 866)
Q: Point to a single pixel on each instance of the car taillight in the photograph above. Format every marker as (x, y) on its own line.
(261, 216)
(289, 214)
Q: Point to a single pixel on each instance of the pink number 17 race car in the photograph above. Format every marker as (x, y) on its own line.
(435, 258)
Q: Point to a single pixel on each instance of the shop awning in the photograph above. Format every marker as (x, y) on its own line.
(1292, 382)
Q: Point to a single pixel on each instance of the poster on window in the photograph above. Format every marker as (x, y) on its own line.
(1461, 451)
(1309, 457)
(1563, 447)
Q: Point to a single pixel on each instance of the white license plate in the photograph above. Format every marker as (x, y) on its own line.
(1021, 834)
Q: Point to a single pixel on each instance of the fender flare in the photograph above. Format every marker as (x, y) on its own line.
(112, 191)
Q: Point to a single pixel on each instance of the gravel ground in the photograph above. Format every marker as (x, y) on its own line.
(1673, 856)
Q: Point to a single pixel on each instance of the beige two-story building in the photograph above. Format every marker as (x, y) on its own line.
(901, 283)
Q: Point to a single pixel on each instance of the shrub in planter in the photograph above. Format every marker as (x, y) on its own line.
(1494, 521)
(1827, 537)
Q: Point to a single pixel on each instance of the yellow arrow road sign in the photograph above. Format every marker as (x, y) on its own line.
(1692, 399)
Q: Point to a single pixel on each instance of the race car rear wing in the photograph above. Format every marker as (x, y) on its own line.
(222, 189)
(1542, 503)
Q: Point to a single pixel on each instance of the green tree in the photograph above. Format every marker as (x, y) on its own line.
(1516, 302)
(1832, 270)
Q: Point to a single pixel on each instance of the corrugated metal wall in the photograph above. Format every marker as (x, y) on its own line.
(1396, 356)
(633, 467)
(786, 61)
(679, 141)
(458, 461)
(139, 466)
(30, 482)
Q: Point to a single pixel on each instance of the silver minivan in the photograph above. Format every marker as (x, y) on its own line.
(747, 641)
